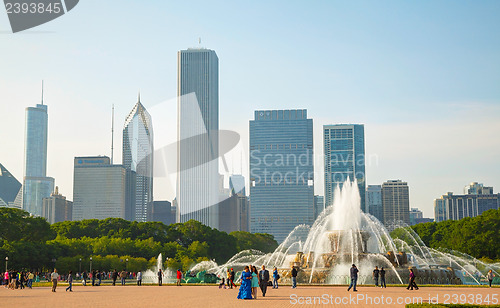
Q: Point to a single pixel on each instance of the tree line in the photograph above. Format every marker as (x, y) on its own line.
(32, 243)
(476, 236)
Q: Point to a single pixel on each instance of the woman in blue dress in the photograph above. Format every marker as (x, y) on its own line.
(245, 291)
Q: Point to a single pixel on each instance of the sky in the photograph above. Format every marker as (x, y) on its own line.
(423, 77)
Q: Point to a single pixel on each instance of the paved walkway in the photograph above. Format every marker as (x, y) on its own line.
(212, 296)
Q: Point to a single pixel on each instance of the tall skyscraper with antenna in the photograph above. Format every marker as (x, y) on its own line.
(36, 184)
(138, 157)
(198, 136)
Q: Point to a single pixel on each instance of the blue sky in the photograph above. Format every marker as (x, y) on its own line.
(422, 76)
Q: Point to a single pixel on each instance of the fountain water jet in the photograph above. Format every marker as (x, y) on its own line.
(341, 235)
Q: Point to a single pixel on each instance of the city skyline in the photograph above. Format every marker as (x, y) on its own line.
(381, 65)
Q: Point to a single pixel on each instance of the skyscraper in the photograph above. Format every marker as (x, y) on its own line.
(374, 201)
(237, 184)
(138, 157)
(344, 149)
(395, 203)
(281, 171)
(102, 190)
(36, 185)
(10, 188)
(198, 136)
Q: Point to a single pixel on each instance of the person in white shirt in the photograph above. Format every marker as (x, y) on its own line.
(54, 276)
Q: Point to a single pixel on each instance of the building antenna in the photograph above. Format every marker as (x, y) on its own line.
(199, 40)
(42, 91)
(112, 130)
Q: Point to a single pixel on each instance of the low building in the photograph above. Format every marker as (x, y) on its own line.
(477, 200)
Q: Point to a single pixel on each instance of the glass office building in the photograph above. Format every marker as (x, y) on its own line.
(395, 203)
(138, 157)
(36, 185)
(374, 201)
(102, 190)
(344, 149)
(198, 136)
(281, 171)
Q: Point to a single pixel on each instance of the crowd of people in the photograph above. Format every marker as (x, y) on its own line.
(251, 279)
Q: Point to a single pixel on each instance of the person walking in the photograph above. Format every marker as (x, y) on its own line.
(490, 276)
(354, 278)
(6, 278)
(179, 277)
(245, 291)
(228, 279)
(160, 276)
(93, 277)
(263, 280)
(276, 276)
(294, 277)
(382, 278)
(139, 278)
(99, 277)
(412, 283)
(70, 281)
(30, 280)
(22, 279)
(54, 276)
(375, 275)
(84, 278)
(114, 276)
(123, 276)
(255, 281)
(232, 278)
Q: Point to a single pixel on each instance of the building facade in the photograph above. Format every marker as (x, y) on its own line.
(102, 190)
(344, 149)
(237, 184)
(415, 215)
(319, 205)
(198, 136)
(138, 157)
(56, 208)
(395, 203)
(161, 211)
(10, 189)
(374, 201)
(477, 200)
(36, 184)
(234, 213)
(281, 171)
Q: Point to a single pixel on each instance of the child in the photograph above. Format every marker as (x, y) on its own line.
(222, 284)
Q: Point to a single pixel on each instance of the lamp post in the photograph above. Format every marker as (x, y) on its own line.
(90, 265)
(54, 260)
(6, 261)
(80, 268)
(126, 265)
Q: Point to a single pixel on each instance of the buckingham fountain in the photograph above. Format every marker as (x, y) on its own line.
(343, 235)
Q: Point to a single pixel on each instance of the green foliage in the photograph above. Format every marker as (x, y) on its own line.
(476, 236)
(260, 241)
(182, 245)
